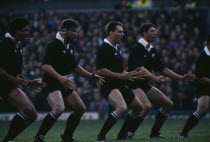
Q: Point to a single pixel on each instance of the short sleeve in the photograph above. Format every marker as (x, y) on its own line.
(75, 64)
(200, 68)
(3, 54)
(50, 55)
(158, 64)
(101, 59)
(137, 57)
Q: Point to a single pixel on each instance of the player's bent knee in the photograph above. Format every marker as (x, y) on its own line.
(83, 109)
(31, 114)
(169, 106)
(80, 110)
(138, 108)
(147, 108)
(121, 109)
(203, 109)
(58, 110)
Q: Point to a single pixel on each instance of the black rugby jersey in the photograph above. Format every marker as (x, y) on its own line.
(139, 56)
(60, 58)
(11, 59)
(110, 58)
(203, 70)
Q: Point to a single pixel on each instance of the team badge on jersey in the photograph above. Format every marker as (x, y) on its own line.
(71, 51)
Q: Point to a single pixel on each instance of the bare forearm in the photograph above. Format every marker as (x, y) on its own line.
(48, 69)
(107, 73)
(82, 72)
(169, 73)
(204, 80)
(149, 74)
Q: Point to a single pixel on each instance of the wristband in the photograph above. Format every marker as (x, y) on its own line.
(92, 76)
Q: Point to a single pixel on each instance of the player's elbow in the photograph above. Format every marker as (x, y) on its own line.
(203, 81)
(44, 67)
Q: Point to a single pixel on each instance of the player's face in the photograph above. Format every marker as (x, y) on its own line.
(151, 34)
(72, 36)
(23, 34)
(118, 34)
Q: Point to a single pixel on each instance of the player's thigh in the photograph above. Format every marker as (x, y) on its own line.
(203, 104)
(143, 98)
(116, 100)
(156, 97)
(74, 102)
(20, 100)
(55, 100)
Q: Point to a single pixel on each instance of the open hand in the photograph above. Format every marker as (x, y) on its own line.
(188, 78)
(161, 79)
(20, 81)
(36, 84)
(66, 82)
(98, 79)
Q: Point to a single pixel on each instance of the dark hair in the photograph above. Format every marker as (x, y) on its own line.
(18, 24)
(111, 26)
(145, 28)
(69, 23)
(208, 39)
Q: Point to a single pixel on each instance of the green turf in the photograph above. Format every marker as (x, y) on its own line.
(88, 130)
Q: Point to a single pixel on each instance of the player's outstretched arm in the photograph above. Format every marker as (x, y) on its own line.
(123, 76)
(82, 72)
(185, 78)
(204, 81)
(35, 84)
(147, 74)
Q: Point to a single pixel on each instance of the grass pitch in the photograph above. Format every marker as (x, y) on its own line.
(88, 129)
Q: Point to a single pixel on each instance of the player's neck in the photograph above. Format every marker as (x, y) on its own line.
(16, 37)
(65, 42)
(148, 45)
(111, 41)
(146, 39)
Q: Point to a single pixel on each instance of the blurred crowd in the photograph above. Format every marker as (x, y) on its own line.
(181, 37)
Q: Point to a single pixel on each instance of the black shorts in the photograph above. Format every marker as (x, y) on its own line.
(126, 92)
(143, 84)
(56, 87)
(6, 88)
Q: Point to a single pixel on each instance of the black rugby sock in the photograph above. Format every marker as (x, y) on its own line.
(110, 121)
(191, 122)
(17, 125)
(47, 123)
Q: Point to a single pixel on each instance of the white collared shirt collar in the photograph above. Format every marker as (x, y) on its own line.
(207, 51)
(144, 43)
(12, 38)
(108, 42)
(59, 37)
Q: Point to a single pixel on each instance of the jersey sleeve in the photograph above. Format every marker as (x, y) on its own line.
(4, 54)
(158, 64)
(137, 57)
(200, 71)
(75, 64)
(101, 59)
(50, 55)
